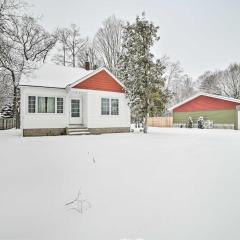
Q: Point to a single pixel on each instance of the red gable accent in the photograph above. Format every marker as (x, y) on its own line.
(204, 103)
(101, 81)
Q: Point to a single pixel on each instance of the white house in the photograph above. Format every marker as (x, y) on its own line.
(58, 100)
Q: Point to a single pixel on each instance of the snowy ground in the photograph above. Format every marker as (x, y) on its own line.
(170, 184)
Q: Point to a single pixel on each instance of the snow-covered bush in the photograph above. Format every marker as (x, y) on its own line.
(200, 122)
(189, 122)
(136, 127)
(7, 111)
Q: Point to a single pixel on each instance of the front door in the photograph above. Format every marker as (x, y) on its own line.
(75, 111)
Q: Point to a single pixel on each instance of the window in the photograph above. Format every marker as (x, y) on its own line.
(105, 106)
(75, 108)
(46, 104)
(114, 107)
(31, 104)
(59, 105)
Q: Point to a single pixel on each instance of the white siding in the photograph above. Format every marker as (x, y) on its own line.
(96, 120)
(91, 109)
(43, 120)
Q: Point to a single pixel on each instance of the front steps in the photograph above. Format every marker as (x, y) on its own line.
(74, 129)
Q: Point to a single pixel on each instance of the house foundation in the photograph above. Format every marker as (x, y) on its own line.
(62, 131)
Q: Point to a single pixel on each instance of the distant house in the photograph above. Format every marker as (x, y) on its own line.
(57, 100)
(223, 112)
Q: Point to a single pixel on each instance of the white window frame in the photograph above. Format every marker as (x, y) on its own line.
(46, 107)
(57, 105)
(36, 104)
(110, 106)
(32, 105)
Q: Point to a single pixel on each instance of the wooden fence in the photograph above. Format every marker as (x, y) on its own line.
(160, 122)
(7, 123)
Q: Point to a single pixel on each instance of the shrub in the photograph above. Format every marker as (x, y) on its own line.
(7, 111)
(190, 122)
(200, 122)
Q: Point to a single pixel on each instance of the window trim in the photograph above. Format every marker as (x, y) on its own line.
(43, 95)
(57, 105)
(109, 110)
(79, 108)
(110, 106)
(117, 106)
(32, 104)
(46, 105)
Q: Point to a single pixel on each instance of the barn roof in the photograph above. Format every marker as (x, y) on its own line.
(206, 95)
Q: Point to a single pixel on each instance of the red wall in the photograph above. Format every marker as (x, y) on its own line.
(101, 81)
(204, 103)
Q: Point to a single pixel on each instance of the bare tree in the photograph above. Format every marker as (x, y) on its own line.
(208, 82)
(180, 85)
(173, 72)
(222, 82)
(89, 53)
(230, 81)
(63, 35)
(23, 40)
(75, 44)
(187, 88)
(9, 8)
(71, 45)
(30, 39)
(108, 42)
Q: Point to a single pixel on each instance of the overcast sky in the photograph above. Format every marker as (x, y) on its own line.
(202, 35)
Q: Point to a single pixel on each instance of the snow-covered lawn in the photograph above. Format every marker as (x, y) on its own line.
(170, 184)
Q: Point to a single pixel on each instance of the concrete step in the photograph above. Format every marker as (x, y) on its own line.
(75, 126)
(77, 129)
(78, 133)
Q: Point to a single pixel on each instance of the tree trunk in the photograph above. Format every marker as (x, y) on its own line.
(16, 113)
(64, 56)
(145, 128)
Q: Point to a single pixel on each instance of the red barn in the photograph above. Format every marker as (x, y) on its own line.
(221, 111)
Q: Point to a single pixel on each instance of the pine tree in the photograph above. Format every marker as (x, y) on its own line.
(140, 73)
(200, 122)
(7, 111)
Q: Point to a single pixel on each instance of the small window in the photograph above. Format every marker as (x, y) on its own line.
(31, 104)
(59, 105)
(114, 107)
(75, 108)
(46, 104)
(105, 106)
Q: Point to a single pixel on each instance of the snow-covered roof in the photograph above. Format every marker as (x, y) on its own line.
(52, 75)
(207, 95)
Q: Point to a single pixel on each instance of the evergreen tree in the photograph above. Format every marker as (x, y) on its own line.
(7, 111)
(190, 122)
(200, 123)
(140, 73)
